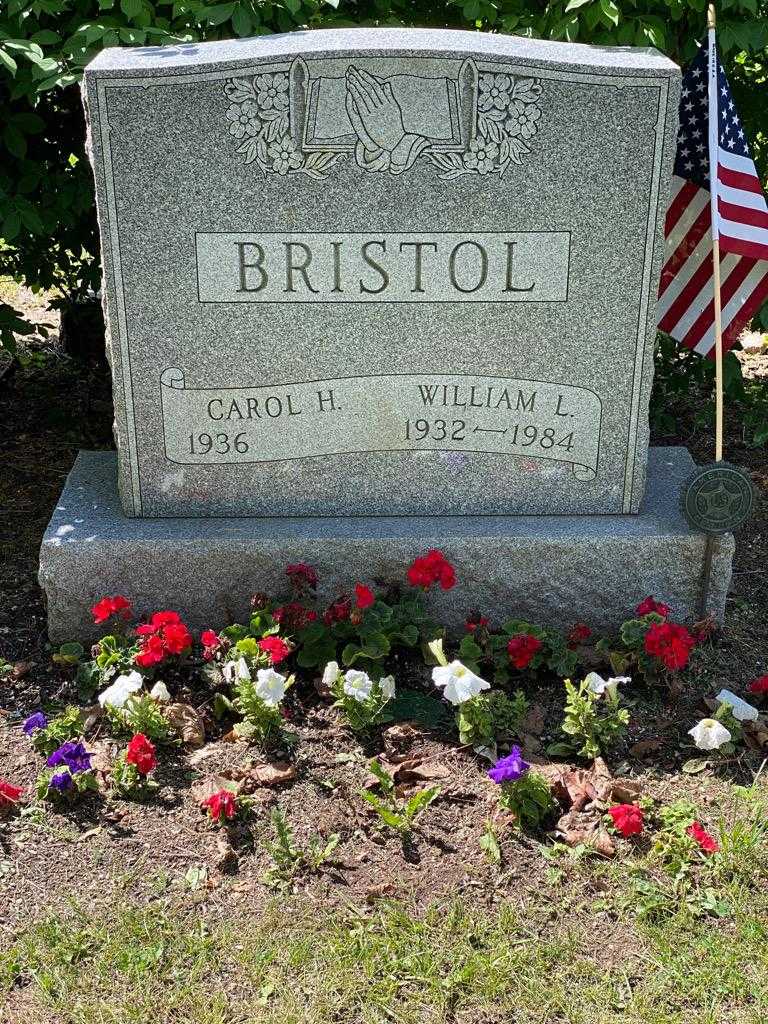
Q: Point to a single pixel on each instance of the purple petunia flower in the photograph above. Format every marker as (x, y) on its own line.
(509, 768)
(36, 721)
(62, 781)
(71, 754)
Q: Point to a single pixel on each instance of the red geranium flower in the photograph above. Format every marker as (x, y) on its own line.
(579, 634)
(669, 642)
(431, 568)
(627, 819)
(211, 643)
(294, 616)
(141, 752)
(164, 634)
(364, 596)
(221, 805)
(301, 575)
(522, 649)
(177, 638)
(9, 794)
(152, 651)
(158, 621)
(707, 842)
(475, 622)
(650, 604)
(338, 611)
(759, 685)
(277, 649)
(109, 606)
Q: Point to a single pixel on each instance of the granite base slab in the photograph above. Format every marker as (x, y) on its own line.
(555, 570)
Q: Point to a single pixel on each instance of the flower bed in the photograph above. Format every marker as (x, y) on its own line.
(376, 659)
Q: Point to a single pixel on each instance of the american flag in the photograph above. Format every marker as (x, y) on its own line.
(711, 133)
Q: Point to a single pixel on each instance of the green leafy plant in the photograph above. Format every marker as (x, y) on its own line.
(529, 799)
(550, 650)
(364, 639)
(289, 859)
(67, 725)
(128, 782)
(262, 723)
(140, 714)
(490, 717)
(81, 782)
(593, 722)
(682, 379)
(396, 812)
(362, 700)
(489, 843)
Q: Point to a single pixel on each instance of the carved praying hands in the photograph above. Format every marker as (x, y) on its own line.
(383, 144)
(373, 111)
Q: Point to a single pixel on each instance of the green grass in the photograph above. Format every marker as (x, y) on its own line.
(162, 964)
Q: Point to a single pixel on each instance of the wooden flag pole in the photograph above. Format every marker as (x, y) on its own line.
(713, 132)
(714, 128)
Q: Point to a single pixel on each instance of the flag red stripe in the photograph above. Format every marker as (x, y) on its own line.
(688, 294)
(698, 229)
(727, 289)
(743, 214)
(747, 311)
(746, 182)
(741, 247)
(742, 318)
(678, 205)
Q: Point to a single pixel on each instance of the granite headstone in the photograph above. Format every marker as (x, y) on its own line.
(381, 272)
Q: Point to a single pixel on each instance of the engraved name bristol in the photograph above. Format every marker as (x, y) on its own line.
(289, 122)
(442, 266)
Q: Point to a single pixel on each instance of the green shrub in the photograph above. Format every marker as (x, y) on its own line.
(48, 233)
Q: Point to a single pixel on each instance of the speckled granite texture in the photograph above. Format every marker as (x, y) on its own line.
(555, 570)
(302, 233)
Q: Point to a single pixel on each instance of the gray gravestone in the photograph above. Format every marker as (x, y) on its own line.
(371, 272)
(385, 290)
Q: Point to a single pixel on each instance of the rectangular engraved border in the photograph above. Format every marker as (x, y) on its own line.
(113, 270)
(385, 302)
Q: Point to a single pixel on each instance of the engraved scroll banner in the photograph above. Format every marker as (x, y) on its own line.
(381, 413)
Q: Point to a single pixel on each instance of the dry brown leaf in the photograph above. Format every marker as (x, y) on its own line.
(421, 771)
(585, 828)
(196, 756)
(398, 740)
(187, 722)
(21, 669)
(102, 755)
(276, 773)
(755, 734)
(205, 788)
(383, 891)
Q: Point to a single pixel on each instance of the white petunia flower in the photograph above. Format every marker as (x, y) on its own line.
(160, 691)
(118, 693)
(331, 673)
(740, 709)
(596, 683)
(270, 686)
(357, 684)
(387, 684)
(460, 682)
(709, 734)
